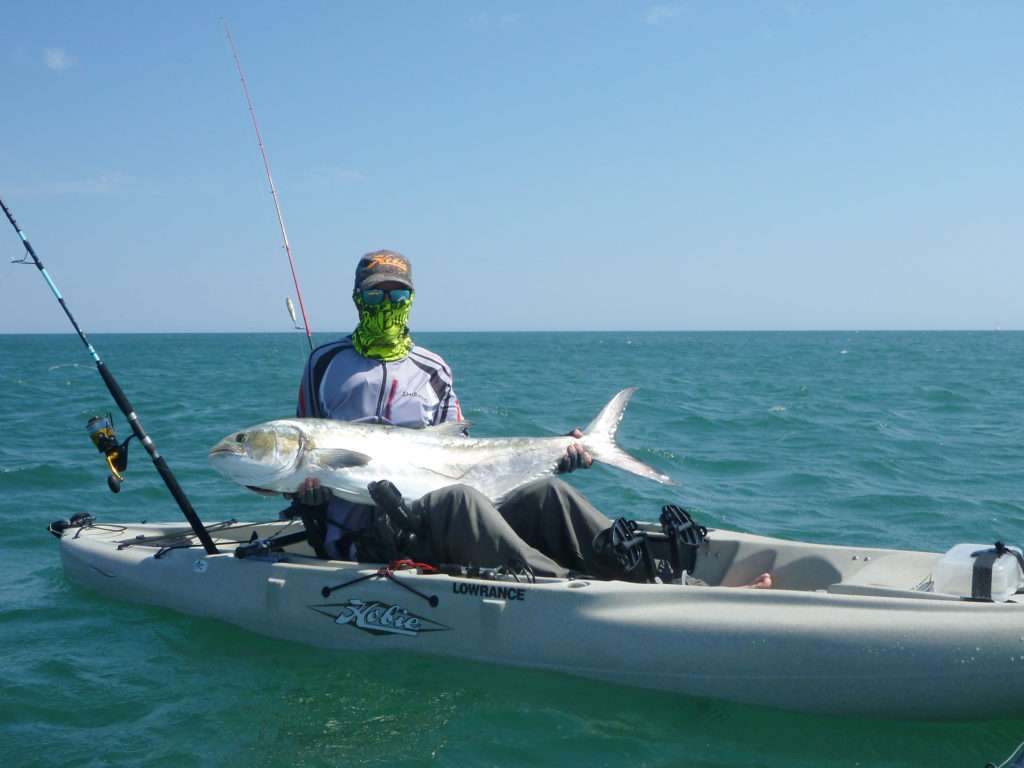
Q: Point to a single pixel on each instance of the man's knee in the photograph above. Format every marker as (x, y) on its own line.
(545, 486)
(456, 498)
(460, 494)
(549, 489)
(555, 496)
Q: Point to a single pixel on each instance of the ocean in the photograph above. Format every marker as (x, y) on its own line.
(905, 440)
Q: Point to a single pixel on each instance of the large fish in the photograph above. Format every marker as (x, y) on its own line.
(346, 456)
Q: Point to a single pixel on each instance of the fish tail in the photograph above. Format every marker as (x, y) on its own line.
(599, 440)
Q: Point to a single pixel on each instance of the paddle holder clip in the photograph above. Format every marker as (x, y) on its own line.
(101, 432)
(685, 537)
(625, 552)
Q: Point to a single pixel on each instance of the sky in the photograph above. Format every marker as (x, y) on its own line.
(545, 166)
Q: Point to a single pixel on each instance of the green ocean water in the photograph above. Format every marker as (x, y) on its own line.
(908, 440)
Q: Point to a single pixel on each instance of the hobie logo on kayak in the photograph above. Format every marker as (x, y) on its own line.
(379, 618)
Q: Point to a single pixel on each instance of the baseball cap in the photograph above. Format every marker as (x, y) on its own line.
(383, 267)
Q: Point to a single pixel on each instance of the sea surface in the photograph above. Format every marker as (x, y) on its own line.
(907, 440)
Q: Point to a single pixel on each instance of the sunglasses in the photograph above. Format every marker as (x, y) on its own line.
(373, 296)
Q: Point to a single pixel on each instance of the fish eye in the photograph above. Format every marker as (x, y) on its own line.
(240, 437)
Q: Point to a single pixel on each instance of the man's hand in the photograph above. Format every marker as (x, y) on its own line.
(311, 493)
(576, 456)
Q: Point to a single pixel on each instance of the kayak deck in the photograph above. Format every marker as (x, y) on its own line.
(727, 558)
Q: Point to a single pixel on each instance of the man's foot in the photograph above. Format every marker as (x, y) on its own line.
(764, 581)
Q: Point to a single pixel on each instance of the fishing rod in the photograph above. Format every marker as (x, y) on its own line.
(126, 408)
(273, 189)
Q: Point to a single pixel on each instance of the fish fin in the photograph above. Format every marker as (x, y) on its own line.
(339, 458)
(599, 440)
(450, 428)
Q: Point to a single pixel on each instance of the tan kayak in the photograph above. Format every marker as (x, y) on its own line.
(844, 630)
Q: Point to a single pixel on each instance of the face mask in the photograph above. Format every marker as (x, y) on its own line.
(383, 330)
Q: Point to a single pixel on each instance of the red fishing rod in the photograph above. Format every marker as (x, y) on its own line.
(273, 189)
(122, 402)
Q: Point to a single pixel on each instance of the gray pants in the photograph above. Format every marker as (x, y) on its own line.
(547, 524)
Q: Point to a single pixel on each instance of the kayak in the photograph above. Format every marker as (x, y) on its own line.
(844, 630)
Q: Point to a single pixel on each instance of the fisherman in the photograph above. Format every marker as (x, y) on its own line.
(378, 374)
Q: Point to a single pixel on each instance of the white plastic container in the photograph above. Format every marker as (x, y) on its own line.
(954, 573)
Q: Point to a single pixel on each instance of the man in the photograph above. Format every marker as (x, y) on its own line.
(378, 374)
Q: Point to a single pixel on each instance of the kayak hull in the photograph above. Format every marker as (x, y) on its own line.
(861, 645)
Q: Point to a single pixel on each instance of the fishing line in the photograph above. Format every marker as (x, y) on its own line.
(121, 399)
(23, 259)
(273, 190)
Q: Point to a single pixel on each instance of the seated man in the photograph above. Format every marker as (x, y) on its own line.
(378, 374)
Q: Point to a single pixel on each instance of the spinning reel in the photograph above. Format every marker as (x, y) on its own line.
(101, 432)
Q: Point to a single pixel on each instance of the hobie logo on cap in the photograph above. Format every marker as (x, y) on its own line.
(388, 261)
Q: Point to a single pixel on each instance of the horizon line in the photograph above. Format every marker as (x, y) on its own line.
(552, 331)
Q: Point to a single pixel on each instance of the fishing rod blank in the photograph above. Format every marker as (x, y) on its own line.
(270, 181)
(122, 401)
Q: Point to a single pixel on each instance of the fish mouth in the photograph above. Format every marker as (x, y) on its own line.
(225, 450)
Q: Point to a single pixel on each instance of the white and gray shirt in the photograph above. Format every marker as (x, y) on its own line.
(339, 383)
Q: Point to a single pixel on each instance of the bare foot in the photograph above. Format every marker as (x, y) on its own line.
(764, 581)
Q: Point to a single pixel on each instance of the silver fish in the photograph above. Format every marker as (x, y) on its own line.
(345, 456)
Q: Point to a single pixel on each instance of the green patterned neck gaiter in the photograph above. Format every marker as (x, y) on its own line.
(383, 330)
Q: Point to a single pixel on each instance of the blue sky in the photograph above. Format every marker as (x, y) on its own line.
(571, 165)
